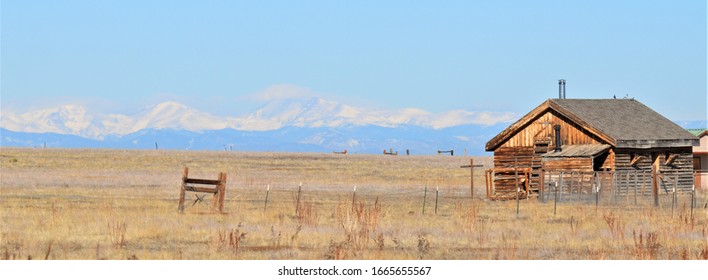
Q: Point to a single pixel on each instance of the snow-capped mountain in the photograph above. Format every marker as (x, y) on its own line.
(317, 112)
(277, 114)
(313, 124)
(66, 119)
(166, 115)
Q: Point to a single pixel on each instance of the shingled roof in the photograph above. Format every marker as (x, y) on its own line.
(622, 123)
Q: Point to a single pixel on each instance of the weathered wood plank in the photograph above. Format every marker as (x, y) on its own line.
(201, 181)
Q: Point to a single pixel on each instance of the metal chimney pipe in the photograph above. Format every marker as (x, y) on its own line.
(557, 128)
(561, 89)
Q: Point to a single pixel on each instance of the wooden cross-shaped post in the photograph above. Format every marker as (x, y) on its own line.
(471, 167)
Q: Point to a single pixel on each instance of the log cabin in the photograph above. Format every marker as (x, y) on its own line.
(587, 136)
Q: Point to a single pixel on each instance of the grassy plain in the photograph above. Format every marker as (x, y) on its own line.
(118, 204)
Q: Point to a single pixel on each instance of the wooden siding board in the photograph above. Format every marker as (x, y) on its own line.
(542, 129)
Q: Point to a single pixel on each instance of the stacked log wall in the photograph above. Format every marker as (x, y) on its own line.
(681, 167)
(508, 158)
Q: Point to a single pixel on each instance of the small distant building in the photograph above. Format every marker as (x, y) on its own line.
(586, 136)
(700, 158)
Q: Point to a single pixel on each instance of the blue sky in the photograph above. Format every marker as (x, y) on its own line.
(223, 56)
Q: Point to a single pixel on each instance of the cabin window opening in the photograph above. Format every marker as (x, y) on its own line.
(598, 163)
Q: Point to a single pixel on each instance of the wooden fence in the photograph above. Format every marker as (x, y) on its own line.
(189, 185)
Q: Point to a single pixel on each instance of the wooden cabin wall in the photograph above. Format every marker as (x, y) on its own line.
(505, 157)
(568, 164)
(681, 167)
(542, 128)
(509, 157)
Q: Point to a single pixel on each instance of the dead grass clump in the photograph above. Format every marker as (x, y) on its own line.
(615, 224)
(684, 221)
(423, 246)
(307, 214)
(703, 255)
(472, 226)
(574, 223)
(337, 250)
(379, 242)
(116, 233)
(646, 247)
(275, 237)
(359, 222)
(230, 239)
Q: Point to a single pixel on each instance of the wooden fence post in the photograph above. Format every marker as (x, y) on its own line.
(425, 198)
(471, 178)
(655, 167)
(543, 185)
(437, 193)
(222, 191)
(265, 206)
(297, 202)
(693, 200)
(180, 208)
(555, 199)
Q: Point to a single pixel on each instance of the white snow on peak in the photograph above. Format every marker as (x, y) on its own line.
(295, 112)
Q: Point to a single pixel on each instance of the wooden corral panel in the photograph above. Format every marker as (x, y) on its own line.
(542, 128)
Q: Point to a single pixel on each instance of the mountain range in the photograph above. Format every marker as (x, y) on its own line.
(295, 124)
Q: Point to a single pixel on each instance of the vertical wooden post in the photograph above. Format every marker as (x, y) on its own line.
(635, 188)
(425, 198)
(693, 200)
(543, 185)
(487, 182)
(516, 175)
(596, 188)
(180, 208)
(471, 178)
(265, 206)
(518, 190)
(215, 200)
(222, 191)
(673, 201)
(555, 199)
(655, 180)
(437, 193)
(297, 202)
(560, 184)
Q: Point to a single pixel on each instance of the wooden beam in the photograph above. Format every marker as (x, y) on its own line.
(200, 189)
(201, 181)
(636, 159)
(670, 159)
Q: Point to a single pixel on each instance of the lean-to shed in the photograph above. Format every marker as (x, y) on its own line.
(589, 135)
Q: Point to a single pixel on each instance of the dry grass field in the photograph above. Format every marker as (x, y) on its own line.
(118, 204)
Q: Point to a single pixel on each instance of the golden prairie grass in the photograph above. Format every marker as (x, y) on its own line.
(115, 204)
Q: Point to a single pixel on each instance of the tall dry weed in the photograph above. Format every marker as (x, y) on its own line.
(116, 233)
(230, 239)
(307, 214)
(646, 247)
(615, 224)
(359, 222)
(467, 217)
